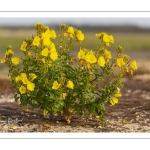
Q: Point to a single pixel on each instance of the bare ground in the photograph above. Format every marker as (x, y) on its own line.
(131, 114)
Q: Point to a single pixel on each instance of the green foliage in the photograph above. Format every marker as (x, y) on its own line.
(51, 79)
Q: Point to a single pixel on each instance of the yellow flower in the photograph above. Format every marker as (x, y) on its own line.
(108, 38)
(36, 41)
(107, 55)
(22, 89)
(64, 95)
(23, 46)
(47, 42)
(3, 60)
(9, 52)
(55, 85)
(70, 30)
(120, 62)
(23, 75)
(52, 48)
(101, 61)
(111, 38)
(70, 84)
(30, 86)
(133, 65)
(113, 101)
(15, 60)
(29, 53)
(54, 56)
(32, 76)
(49, 34)
(24, 78)
(81, 54)
(43, 60)
(53, 34)
(18, 78)
(44, 36)
(45, 52)
(90, 57)
(118, 94)
(80, 36)
(100, 35)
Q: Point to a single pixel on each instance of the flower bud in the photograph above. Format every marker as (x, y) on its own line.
(126, 58)
(38, 25)
(120, 49)
(9, 47)
(131, 72)
(63, 27)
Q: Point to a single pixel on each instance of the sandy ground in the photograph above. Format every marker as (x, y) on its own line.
(131, 114)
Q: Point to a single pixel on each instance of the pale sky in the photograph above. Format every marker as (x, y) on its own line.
(141, 22)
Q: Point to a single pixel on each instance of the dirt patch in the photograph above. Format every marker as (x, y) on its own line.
(131, 114)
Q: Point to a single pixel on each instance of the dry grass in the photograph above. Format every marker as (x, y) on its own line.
(21, 33)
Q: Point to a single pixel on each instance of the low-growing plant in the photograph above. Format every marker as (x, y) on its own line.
(51, 79)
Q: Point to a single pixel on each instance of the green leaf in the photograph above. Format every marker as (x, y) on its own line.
(81, 113)
(16, 98)
(61, 102)
(33, 101)
(45, 112)
(92, 100)
(34, 93)
(91, 109)
(23, 100)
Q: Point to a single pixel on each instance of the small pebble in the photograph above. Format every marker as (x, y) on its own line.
(124, 121)
(99, 127)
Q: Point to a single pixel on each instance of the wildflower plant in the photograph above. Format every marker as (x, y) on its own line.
(48, 77)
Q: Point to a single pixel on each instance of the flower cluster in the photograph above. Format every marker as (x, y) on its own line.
(43, 41)
(71, 32)
(25, 83)
(124, 61)
(8, 57)
(69, 84)
(48, 77)
(105, 38)
(114, 99)
(92, 57)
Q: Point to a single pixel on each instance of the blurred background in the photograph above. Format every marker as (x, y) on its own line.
(131, 33)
